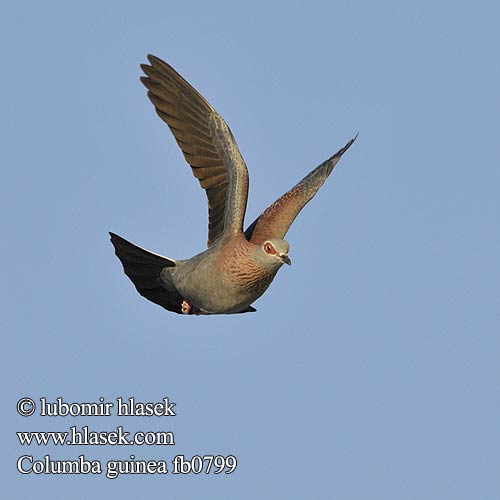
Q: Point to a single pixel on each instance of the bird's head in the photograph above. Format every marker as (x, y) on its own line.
(273, 253)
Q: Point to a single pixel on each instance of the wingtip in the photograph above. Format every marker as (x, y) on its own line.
(341, 151)
(156, 61)
(333, 160)
(351, 142)
(153, 60)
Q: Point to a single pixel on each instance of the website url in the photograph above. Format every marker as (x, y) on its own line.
(85, 437)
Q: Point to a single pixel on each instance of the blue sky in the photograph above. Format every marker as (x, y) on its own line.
(371, 367)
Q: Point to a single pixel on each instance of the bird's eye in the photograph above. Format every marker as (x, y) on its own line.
(268, 248)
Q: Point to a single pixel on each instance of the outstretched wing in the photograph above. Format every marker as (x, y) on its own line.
(207, 143)
(275, 221)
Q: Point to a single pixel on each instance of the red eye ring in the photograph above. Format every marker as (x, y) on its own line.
(268, 248)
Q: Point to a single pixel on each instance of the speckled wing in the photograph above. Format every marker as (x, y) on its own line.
(275, 221)
(206, 141)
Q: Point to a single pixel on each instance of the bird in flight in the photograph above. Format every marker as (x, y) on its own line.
(238, 266)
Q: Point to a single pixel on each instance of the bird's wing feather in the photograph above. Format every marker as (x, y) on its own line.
(275, 221)
(207, 143)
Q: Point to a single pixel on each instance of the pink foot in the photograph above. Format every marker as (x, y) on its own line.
(187, 307)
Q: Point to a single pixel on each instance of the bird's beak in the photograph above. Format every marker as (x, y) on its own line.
(284, 257)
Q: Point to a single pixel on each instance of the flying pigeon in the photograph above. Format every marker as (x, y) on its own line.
(237, 267)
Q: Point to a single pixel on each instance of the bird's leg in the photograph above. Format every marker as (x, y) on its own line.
(187, 307)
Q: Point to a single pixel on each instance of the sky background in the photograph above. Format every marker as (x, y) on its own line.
(371, 369)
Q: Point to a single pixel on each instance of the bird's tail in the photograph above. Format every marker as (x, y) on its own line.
(144, 269)
(141, 266)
